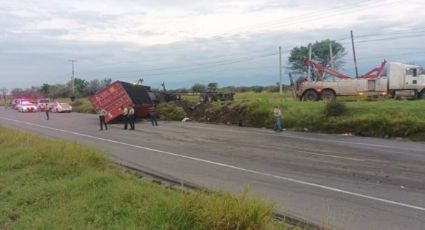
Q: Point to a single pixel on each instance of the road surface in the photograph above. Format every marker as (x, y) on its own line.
(337, 181)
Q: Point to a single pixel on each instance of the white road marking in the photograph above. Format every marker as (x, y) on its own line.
(230, 166)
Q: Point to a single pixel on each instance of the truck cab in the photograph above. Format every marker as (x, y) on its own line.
(406, 80)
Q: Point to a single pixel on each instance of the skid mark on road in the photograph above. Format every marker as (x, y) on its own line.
(333, 189)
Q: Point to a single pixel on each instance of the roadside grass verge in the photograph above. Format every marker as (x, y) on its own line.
(382, 118)
(379, 117)
(46, 184)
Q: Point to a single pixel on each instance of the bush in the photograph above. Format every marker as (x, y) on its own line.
(82, 105)
(334, 108)
(224, 211)
(170, 111)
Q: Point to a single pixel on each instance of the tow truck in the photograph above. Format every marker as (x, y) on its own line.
(393, 79)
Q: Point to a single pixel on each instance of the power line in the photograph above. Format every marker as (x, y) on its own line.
(347, 8)
(391, 38)
(227, 62)
(394, 56)
(211, 66)
(322, 14)
(190, 66)
(392, 33)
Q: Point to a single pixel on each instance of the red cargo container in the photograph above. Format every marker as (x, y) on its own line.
(118, 94)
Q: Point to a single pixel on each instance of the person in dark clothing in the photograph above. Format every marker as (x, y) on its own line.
(124, 111)
(102, 114)
(152, 115)
(131, 116)
(47, 110)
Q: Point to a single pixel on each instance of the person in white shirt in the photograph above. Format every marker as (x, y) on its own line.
(102, 113)
(131, 116)
(277, 119)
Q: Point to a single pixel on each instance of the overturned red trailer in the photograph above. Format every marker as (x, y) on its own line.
(118, 94)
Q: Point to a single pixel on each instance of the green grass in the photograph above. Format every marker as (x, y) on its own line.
(82, 105)
(379, 117)
(47, 184)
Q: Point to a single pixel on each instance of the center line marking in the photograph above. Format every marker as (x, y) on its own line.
(229, 166)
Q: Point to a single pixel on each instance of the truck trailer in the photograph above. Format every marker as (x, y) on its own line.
(392, 79)
(112, 97)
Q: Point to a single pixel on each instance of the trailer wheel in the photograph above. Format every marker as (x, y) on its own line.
(328, 95)
(310, 96)
(422, 95)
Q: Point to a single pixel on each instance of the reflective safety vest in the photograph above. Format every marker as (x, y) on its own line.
(125, 112)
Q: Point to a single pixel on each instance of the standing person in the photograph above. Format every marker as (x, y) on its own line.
(131, 116)
(152, 115)
(125, 116)
(277, 119)
(102, 114)
(47, 110)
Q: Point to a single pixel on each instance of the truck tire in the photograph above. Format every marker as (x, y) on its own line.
(328, 95)
(422, 95)
(310, 95)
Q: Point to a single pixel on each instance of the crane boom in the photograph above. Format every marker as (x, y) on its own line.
(319, 70)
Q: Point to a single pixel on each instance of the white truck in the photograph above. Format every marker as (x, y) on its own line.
(393, 79)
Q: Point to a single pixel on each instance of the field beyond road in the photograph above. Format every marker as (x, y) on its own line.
(385, 118)
(47, 184)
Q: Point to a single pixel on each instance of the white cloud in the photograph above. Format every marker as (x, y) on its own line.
(181, 32)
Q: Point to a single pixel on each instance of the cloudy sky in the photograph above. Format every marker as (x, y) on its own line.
(181, 42)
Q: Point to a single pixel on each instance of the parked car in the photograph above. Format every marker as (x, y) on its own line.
(16, 101)
(60, 107)
(26, 106)
(43, 104)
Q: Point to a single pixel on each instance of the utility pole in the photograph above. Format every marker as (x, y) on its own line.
(280, 70)
(354, 54)
(309, 58)
(72, 78)
(4, 92)
(331, 58)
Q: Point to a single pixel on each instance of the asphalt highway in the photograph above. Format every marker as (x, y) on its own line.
(341, 182)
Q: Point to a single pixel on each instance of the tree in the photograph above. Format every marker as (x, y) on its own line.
(257, 88)
(4, 94)
(32, 92)
(198, 88)
(80, 86)
(92, 87)
(212, 86)
(105, 82)
(44, 89)
(59, 91)
(319, 54)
